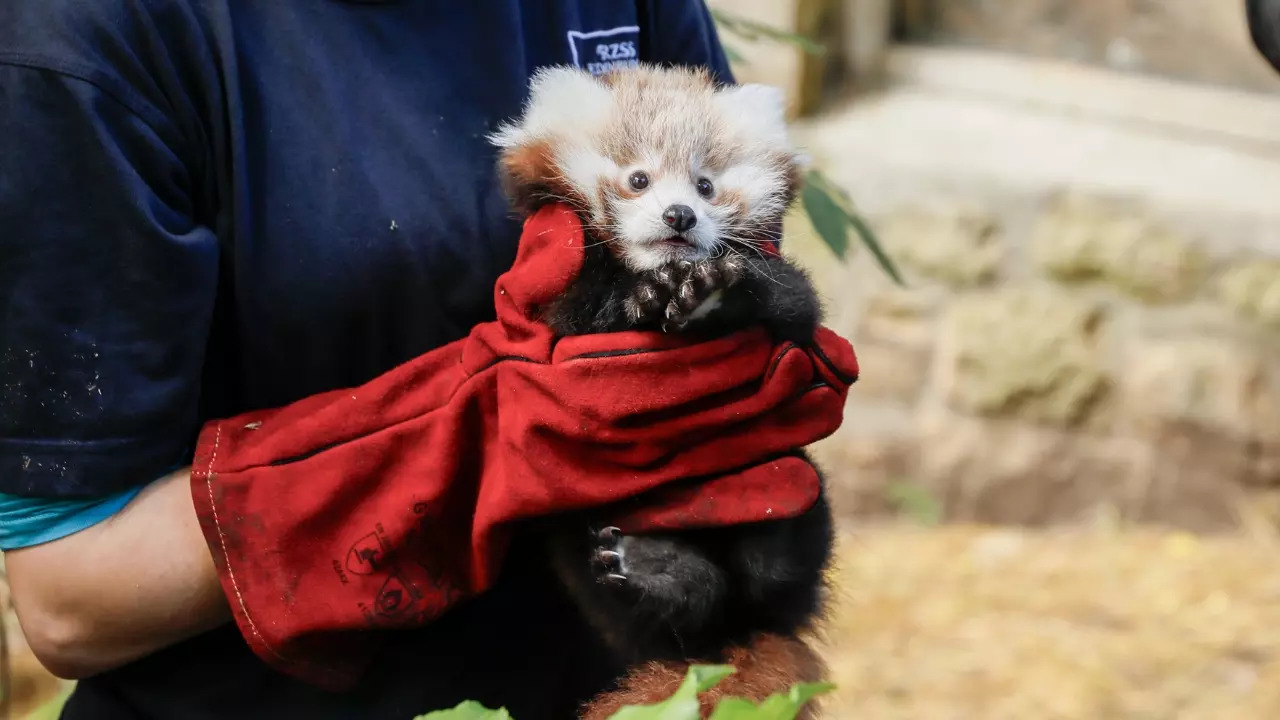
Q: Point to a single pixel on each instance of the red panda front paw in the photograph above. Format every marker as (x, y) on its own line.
(608, 559)
(681, 291)
(660, 578)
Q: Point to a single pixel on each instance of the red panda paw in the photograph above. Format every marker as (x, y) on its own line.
(681, 291)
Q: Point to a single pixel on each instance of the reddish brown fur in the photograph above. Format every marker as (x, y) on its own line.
(529, 175)
(733, 199)
(795, 175)
(770, 664)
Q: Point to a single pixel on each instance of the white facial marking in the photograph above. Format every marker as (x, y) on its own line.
(642, 228)
(584, 167)
(752, 182)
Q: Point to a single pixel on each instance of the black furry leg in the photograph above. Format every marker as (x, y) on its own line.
(778, 570)
(659, 595)
(667, 580)
(693, 593)
(772, 292)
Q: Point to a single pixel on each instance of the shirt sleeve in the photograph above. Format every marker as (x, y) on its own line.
(107, 284)
(27, 521)
(683, 32)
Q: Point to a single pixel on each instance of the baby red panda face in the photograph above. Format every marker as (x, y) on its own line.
(661, 164)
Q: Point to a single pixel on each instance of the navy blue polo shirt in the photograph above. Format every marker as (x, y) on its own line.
(212, 206)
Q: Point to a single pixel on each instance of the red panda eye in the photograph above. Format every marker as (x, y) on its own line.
(639, 180)
(705, 188)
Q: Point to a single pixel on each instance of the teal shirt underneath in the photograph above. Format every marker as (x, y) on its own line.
(27, 521)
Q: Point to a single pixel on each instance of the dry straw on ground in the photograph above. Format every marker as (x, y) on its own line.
(994, 624)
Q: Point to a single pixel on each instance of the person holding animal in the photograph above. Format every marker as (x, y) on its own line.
(285, 384)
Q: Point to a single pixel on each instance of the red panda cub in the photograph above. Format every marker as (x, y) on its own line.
(681, 185)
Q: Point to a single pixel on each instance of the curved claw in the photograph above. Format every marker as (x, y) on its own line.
(609, 559)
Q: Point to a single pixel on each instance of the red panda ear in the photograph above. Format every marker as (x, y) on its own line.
(561, 99)
(525, 173)
(754, 111)
(793, 168)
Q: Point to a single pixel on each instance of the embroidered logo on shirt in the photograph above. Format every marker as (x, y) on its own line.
(601, 51)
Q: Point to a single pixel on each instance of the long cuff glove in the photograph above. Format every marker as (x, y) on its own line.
(386, 504)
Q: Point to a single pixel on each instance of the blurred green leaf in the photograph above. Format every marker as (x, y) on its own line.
(840, 199)
(733, 55)
(683, 705)
(778, 706)
(915, 502)
(873, 244)
(828, 219)
(752, 30)
(467, 711)
(51, 709)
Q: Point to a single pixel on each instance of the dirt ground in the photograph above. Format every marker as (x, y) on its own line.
(1085, 624)
(960, 623)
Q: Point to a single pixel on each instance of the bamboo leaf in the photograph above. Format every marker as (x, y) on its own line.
(872, 242)
(915, 502)
(683, 705)
(860, 226)
(779, 706)
(51, 709)
(733, 55)
(827, 217)
(469, 710)
(752, 30)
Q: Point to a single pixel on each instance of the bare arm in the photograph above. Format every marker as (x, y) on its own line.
(119, 590)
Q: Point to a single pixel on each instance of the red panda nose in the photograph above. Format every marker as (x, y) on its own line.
(679, 217)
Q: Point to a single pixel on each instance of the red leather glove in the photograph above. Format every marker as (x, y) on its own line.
(385, 504)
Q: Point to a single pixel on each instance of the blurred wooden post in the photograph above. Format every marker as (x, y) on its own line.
(911, 18)
(857, 35)
(813, 19)
(866, 31)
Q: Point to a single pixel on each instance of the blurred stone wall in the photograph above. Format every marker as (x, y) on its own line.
(1093, 357)
(1198, 40)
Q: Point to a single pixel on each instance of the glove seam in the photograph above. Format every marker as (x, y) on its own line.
(599, 354)
(226, 560)
(777, 360)
(841, 376)
(222, 541)
(497, 360)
